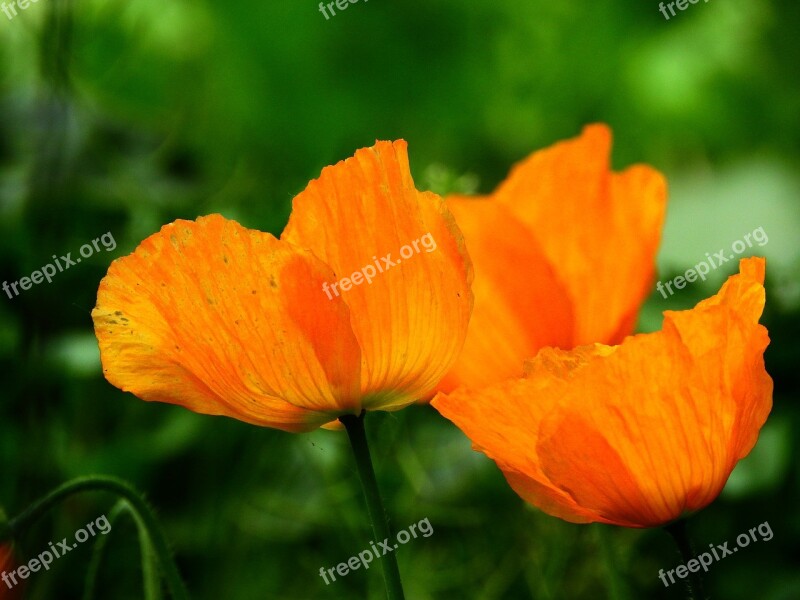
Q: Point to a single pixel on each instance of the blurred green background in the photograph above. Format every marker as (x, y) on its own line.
(122, 116)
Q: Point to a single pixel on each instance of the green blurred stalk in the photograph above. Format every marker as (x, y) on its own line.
(99, 483)
(151, 579)
(694, 582)
(377, 514)
(617, 589)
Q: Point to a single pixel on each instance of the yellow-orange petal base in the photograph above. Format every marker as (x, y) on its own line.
(637, 434)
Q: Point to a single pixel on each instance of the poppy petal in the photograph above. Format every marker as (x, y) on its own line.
(520, 303)
(638, 434)
(502, 423)
(363, 217)
(226, 320)
(601, 229)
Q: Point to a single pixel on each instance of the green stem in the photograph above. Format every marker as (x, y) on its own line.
(694, 582)
(377, 515)
(151, 577)
(99, 483)
(93, 571)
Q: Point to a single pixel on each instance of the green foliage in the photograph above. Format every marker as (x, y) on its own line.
(122, 116)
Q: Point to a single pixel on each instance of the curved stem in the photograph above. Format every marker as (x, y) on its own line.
(151, 580)
(377, 514)
(98, 483)
(694, 582)
(99, 550)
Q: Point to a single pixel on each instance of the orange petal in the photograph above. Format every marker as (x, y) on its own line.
(411, 318)
(520, 304)
(638, 434)
(228, 321)
(600, 229)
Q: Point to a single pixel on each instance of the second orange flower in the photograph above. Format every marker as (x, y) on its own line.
(564, 253)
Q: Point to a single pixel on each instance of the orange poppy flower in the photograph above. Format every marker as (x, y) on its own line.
(637, 434)
(564, 255)
(231, 321)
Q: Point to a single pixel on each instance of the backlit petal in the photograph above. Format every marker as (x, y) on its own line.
(520, 303)
(410, 319)
(227, 321)
(599, 229)
(636, 434)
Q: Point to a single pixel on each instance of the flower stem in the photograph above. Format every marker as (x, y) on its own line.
(377, 514)
(99, 483)
(694, 582)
